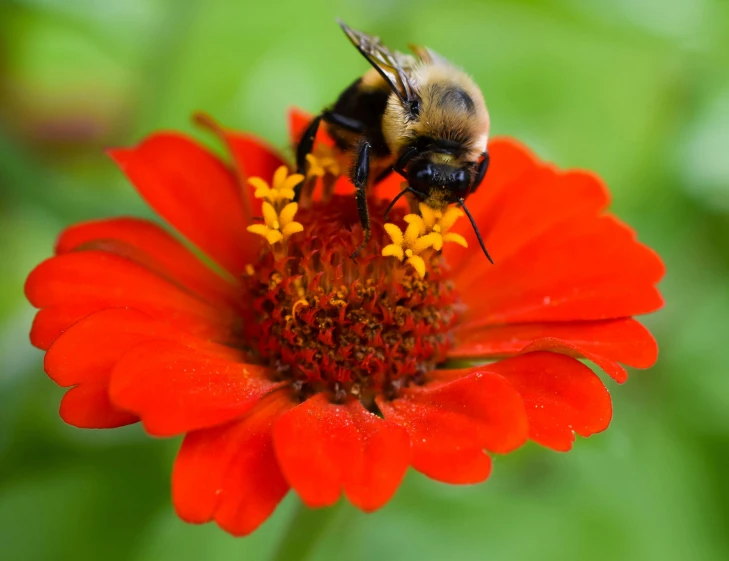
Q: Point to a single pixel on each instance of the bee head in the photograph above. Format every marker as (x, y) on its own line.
(438, 184)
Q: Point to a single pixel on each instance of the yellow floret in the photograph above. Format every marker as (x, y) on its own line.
(428, 230)
(282, 188)
(416, 262)
(321, 163)
(438, 223)
(408, 245)
(277, 226)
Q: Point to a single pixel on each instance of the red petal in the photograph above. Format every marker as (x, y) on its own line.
(50, 322)
(584, 269)
(520, 199)
(94, 344)
(230, 473)
(149, 245)
(88, 407)
(389, 188)
(312, 443)
(88, 350)
(74, 285)
(175, 389)
(510, 162)
(458, 467)
(323, 448)
(603, 342)
(556, 259)
(561, 395)
(450, 422)
(252, 157)
(343, 186)
(372, 479)
(299, 121)
(194, 192)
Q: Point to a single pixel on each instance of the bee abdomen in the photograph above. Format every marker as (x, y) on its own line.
(366, 105)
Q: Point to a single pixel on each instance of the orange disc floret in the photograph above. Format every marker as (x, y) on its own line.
(330, 323)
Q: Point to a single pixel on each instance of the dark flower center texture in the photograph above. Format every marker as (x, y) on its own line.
(328, 323)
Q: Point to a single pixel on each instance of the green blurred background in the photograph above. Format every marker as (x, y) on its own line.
(637, 90)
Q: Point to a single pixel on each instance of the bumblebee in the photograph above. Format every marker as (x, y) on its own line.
(416, 115)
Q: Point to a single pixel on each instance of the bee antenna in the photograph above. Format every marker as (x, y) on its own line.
(475, 229)
(397, 198)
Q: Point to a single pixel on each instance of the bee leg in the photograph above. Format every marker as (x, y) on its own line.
(306, 144)
(346, 123)
(480, 172)
(399, 166)
(360, 176)
(403, 160)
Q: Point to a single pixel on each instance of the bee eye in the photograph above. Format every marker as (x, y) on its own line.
(415, 107)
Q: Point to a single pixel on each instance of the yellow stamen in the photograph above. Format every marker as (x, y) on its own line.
(281, 188)
(407, 245)
(438, 222)
(430, 215)
(413, 231)
(270, 216)
(322, 162)
(395, 234)
(429, 230)
(449, 217)
(426, 241)
(278, 212)
(273, 236)
(455, 238)
(417, 263)
(315, 168)
(292, 228)
(393, 250)
(260, 229)
(286, 216)
(279, 176)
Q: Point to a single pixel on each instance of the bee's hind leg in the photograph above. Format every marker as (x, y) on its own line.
(360, 177)
(306, 145)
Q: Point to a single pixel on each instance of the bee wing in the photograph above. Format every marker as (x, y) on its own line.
(391, 65)
(429, 56)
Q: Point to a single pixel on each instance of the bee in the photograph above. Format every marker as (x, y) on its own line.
(416, 115)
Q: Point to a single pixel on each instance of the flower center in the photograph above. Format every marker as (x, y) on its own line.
(329, 323)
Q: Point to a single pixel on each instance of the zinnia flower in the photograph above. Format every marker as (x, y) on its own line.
(286, 364)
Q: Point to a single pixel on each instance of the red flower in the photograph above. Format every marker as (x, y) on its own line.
(286, 364)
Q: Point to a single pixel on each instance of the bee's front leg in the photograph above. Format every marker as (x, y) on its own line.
(403, 160)
(360, 177)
